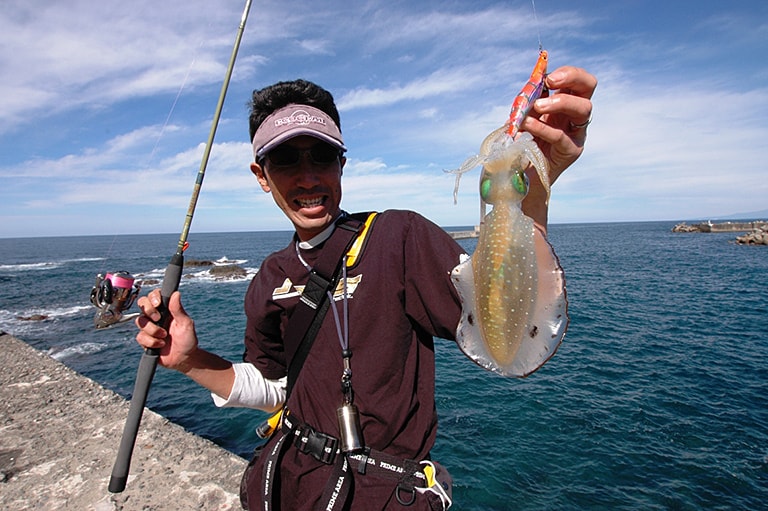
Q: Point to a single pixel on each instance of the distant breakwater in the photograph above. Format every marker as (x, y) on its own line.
(721, 226)
(460, 235)
(756, 231)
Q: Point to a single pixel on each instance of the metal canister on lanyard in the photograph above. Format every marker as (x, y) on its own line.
(350, 431)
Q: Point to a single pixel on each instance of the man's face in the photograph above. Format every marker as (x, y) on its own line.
(308, 193)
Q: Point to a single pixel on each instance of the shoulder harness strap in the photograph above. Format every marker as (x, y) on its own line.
(308, 315)
(357, 247)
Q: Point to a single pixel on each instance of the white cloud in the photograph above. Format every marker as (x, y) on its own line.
(82, 53)
(317, 46)
(678, 128)
(436, 84)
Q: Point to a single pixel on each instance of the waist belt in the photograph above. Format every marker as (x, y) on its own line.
(407, 474)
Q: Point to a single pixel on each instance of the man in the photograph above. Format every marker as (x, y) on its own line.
(360, 420)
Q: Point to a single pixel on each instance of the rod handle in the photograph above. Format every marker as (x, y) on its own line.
(144, 376)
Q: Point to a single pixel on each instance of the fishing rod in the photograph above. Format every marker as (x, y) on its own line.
(104, 294)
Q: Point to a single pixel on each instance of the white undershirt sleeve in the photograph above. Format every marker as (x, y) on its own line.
(252, 390)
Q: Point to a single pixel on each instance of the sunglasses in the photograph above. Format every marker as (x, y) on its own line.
(289, 156)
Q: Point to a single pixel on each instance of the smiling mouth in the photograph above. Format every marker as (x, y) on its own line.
(310, 203)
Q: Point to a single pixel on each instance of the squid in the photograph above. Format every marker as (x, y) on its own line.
(512, 288)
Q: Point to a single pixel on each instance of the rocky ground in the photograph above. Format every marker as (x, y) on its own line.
(59, 434)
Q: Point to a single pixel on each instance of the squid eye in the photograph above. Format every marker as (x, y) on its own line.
(520, 182)
(485, 189)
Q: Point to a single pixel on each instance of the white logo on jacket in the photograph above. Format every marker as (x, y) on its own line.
(288, 290)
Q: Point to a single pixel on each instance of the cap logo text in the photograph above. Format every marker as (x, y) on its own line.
(300, 118)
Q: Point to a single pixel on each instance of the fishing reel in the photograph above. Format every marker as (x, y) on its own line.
(112, 295)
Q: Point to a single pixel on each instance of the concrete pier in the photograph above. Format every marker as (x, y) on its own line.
(460, 235)
(59, 434)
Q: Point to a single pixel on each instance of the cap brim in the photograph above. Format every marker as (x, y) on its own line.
(283, 137)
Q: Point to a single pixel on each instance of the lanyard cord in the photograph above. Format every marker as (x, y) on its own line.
(343, 336)
(342, 333)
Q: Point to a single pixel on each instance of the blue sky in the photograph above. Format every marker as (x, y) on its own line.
(105, 106)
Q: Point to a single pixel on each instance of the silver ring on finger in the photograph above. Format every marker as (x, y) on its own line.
(572, 126)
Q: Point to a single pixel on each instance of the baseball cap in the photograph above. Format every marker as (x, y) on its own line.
(294, 120)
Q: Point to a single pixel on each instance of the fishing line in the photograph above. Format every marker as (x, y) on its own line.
(171, 280)
(536, 22)
(152, 153)
(175, 101)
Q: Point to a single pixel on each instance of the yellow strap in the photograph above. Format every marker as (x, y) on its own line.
(357, 246)
(275, 419)
(429, 472)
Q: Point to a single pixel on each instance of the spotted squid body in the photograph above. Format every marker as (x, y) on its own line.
(512, 288)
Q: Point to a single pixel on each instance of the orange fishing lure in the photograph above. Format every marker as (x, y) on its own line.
(530, 92)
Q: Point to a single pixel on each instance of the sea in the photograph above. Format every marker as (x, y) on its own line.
(657, 398)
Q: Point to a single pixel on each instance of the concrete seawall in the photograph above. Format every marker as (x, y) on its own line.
(721, 226)
(460, 235)
(59, 434)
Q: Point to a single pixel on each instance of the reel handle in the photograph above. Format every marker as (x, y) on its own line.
(144, 376)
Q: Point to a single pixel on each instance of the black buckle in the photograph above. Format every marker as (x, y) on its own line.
(314, 290)
(322, 447)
